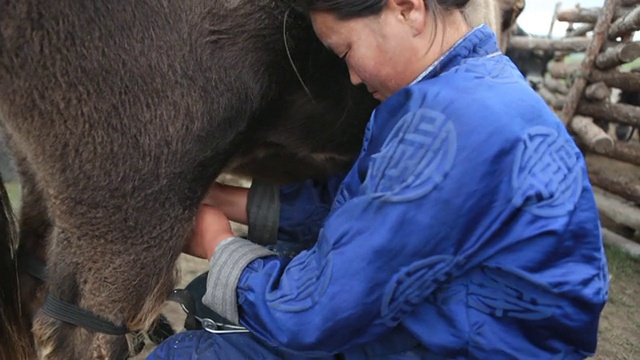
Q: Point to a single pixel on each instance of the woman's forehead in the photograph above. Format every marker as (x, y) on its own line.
(328, 26)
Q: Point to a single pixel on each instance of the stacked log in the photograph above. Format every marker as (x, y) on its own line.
(581, 95)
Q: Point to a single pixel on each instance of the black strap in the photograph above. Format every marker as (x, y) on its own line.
(263, 212)
(74, 315)
(191, 300)
(66, 312)
(184, 298)
(33, 266)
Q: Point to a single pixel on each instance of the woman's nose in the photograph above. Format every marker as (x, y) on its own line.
(353, 76)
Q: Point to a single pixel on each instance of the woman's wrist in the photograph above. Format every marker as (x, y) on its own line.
(231, 200)
(213, 244)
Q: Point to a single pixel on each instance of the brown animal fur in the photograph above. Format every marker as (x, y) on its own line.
(123, 114)
(120, 115)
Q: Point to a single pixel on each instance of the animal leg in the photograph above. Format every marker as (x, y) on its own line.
(116, 283)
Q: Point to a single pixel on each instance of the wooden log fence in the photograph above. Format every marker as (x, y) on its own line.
(613, 78)
(578, 44)
(599, 32)
(628, 23)
(598, 91)
(623, 243)
(605, 110)
(615, 183)
(580, 31)
(626, 152)
(556, 85)
(618, 55)
(591, 134)
(617, 208)
(587, 15)
(583, 96)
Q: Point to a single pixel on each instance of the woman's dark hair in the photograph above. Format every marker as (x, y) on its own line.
(348, 9)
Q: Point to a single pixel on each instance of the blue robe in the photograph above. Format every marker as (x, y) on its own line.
(466, 229)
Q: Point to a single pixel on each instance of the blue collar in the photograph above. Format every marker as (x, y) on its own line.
(479, 42)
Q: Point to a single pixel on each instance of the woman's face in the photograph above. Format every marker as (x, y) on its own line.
(377, 49)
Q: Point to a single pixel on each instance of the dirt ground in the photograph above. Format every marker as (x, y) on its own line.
(620, 323)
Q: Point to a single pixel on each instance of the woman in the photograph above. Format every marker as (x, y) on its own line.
(466, 229)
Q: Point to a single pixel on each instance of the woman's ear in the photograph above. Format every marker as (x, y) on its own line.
(411, 12)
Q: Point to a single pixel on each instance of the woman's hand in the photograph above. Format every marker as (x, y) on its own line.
(212, 227)
(231, 200)
(221, 203)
